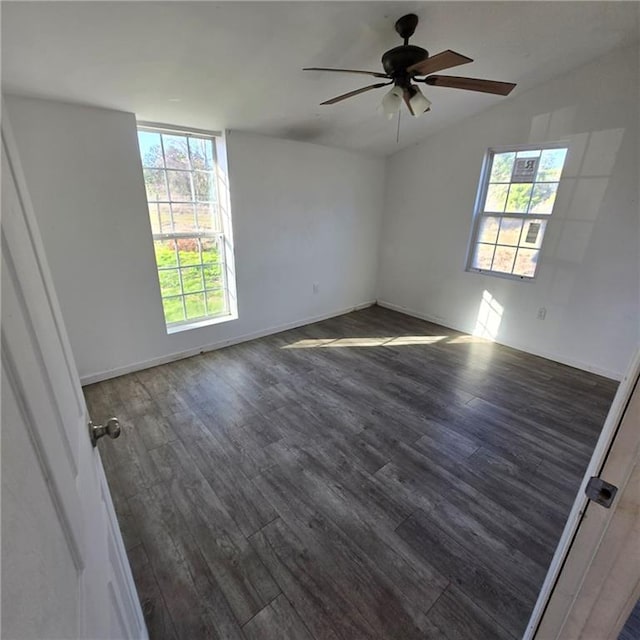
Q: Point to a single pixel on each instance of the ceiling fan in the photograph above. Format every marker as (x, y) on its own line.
(402, 66)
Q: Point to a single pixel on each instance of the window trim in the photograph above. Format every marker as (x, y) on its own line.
(224, 233)
(481, 194)
(169, 128)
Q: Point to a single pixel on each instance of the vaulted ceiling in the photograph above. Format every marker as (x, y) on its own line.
(238, 65)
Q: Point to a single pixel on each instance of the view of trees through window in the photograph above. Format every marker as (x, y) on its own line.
(179, 175)
(520, 191)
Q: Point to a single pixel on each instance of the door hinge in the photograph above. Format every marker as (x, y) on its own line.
(601, 491)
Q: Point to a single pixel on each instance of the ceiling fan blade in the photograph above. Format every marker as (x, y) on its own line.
(344, 96)
(443, 60)
(375, 74)
(471, 84)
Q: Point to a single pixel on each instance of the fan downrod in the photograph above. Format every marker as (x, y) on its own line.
(406, 26)
(396, 60)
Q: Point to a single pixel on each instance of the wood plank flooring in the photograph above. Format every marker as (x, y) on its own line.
(371, 477)
(631, 629)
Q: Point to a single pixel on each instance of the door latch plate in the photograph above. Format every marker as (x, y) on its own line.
(600, 491)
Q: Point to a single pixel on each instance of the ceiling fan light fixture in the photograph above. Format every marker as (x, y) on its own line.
(391, 102)
(419, 102)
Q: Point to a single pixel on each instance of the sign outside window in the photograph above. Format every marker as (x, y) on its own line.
(525, 169)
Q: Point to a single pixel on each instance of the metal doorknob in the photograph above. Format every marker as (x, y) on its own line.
(111, 429)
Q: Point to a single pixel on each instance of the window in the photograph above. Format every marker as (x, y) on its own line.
(190, 233)
(516, 196)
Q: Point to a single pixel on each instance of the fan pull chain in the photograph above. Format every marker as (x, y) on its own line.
(398, 131)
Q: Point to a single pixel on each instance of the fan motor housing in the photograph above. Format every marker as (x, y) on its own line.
(397, 60)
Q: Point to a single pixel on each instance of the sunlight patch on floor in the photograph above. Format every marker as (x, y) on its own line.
(388, 341)
(469, 340)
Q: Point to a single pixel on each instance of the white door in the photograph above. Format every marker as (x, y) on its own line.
(65, 572)
(594, 579)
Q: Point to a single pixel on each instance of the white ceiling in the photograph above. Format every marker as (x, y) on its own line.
(238, 65)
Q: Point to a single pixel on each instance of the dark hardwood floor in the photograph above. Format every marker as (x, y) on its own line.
(631, 629)
(372, 476)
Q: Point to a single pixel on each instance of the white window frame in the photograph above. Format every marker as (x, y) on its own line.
(224, 236)
(479, 213)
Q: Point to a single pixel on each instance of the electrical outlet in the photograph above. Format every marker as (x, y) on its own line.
(542, 313)
(316, 287)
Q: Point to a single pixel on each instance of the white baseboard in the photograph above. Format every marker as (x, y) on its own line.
(154, 362)
(577, 364)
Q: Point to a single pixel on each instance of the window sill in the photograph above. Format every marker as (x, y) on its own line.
(500, 274)
(187, 326)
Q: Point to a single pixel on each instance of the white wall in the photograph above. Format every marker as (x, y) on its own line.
(588, 276)
(302, 214)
